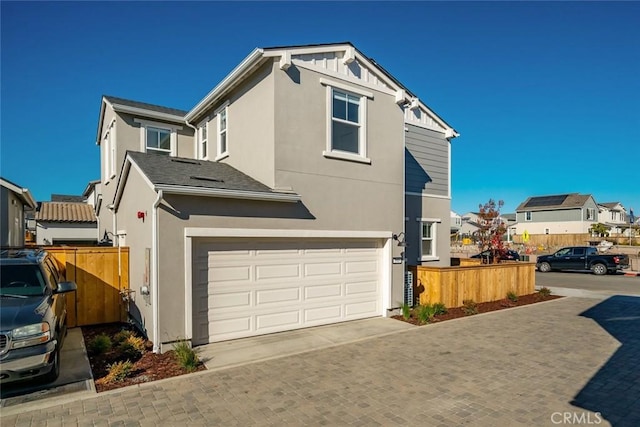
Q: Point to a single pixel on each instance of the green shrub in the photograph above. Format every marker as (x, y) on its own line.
(132, 347)
(440, 308)
(122, 336)
(118, 371)
(512, 296)
(186, 356)
(544, 292)
(469, 307)
(406, 310)
(99, 344)
(425, 313)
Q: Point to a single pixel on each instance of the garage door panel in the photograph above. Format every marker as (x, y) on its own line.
(322, 269)
(277, 271)
(259, 287)
(281, 295)
(327, 313)
(229, 300)
(323, 291)
(361, 288)
(289, 319)
(358, 308)
(353, 267)
(230, 274)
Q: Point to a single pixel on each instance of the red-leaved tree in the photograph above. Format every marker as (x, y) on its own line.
(491, 229)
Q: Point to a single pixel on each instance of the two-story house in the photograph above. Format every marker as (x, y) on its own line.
(614, 215)
(557, 214)
(286, 198)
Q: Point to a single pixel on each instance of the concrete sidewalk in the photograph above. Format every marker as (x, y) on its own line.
(517, 367)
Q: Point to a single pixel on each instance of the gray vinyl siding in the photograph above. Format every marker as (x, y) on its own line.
(554, 215)
(426, 161)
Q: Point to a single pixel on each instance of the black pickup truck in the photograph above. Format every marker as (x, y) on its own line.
(582, 258)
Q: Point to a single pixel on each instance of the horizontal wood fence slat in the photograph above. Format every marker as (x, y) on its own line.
(101, 273)
(481, 283)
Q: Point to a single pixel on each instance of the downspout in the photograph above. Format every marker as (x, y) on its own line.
(155, 283)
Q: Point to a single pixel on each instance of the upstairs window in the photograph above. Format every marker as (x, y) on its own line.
(156, 137)
(527, 216)
(223, 131)
(158, 140)
(109, 142)
(347, 121)
(202, 140)
(591, 214)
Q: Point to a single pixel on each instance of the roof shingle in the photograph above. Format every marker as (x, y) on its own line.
(145, 106)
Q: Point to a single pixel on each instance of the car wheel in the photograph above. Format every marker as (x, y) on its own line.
(599, 269)
(52, 375)
(544, 267)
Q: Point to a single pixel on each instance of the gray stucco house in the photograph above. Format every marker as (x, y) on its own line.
(570, 213)
(13, 201)
(288, 197)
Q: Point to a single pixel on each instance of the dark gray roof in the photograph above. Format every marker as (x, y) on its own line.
(162, 169)
(609, 205)
(145, 106)
(66, 198)
(553, 202)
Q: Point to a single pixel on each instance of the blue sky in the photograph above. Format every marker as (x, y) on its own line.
(545, 95)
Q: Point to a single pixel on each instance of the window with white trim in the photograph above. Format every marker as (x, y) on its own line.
(223, 147)
(158, 140)
(591, 214)
(157, 137)
(346, 121)
(428, 240)
(527, 216)
(202, 140)
(109, 142)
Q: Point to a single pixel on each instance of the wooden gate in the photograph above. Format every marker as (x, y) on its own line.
(102, 276)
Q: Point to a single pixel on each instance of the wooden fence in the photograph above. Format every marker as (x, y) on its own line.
(561, 240)
(481, 283)
(102, 276)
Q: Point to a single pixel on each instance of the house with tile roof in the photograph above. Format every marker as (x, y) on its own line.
(66, 223)
(292, 195)
(570, 213)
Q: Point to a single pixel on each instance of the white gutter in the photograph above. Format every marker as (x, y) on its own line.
(231, 194)
(147, 113)
(154, 282)
(235, 74)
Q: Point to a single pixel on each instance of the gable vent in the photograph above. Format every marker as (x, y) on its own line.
(206, 178)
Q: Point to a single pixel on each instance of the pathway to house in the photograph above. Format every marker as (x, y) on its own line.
(568, 361)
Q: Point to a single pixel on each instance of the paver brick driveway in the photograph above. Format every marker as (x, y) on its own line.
(566, 362)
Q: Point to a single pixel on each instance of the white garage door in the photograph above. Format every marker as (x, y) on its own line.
(247, 287)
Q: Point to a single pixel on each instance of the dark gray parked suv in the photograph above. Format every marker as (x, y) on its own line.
(33, 314)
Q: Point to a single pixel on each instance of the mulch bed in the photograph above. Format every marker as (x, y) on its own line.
(149, 367)
(483, 307)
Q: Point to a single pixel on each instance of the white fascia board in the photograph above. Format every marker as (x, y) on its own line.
(241, 69)
(307, 50)
(286, 233)
(99, 132)
(230, 194)
(23, 193)
(147, 113)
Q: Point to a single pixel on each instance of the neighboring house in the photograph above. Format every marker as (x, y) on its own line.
(557, 214)
(614, 215)
(456, 223)
(65, 223)
(470, 224)
(14, 200)
(284, 199)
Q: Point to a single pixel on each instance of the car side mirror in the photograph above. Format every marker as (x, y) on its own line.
(64, 287)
